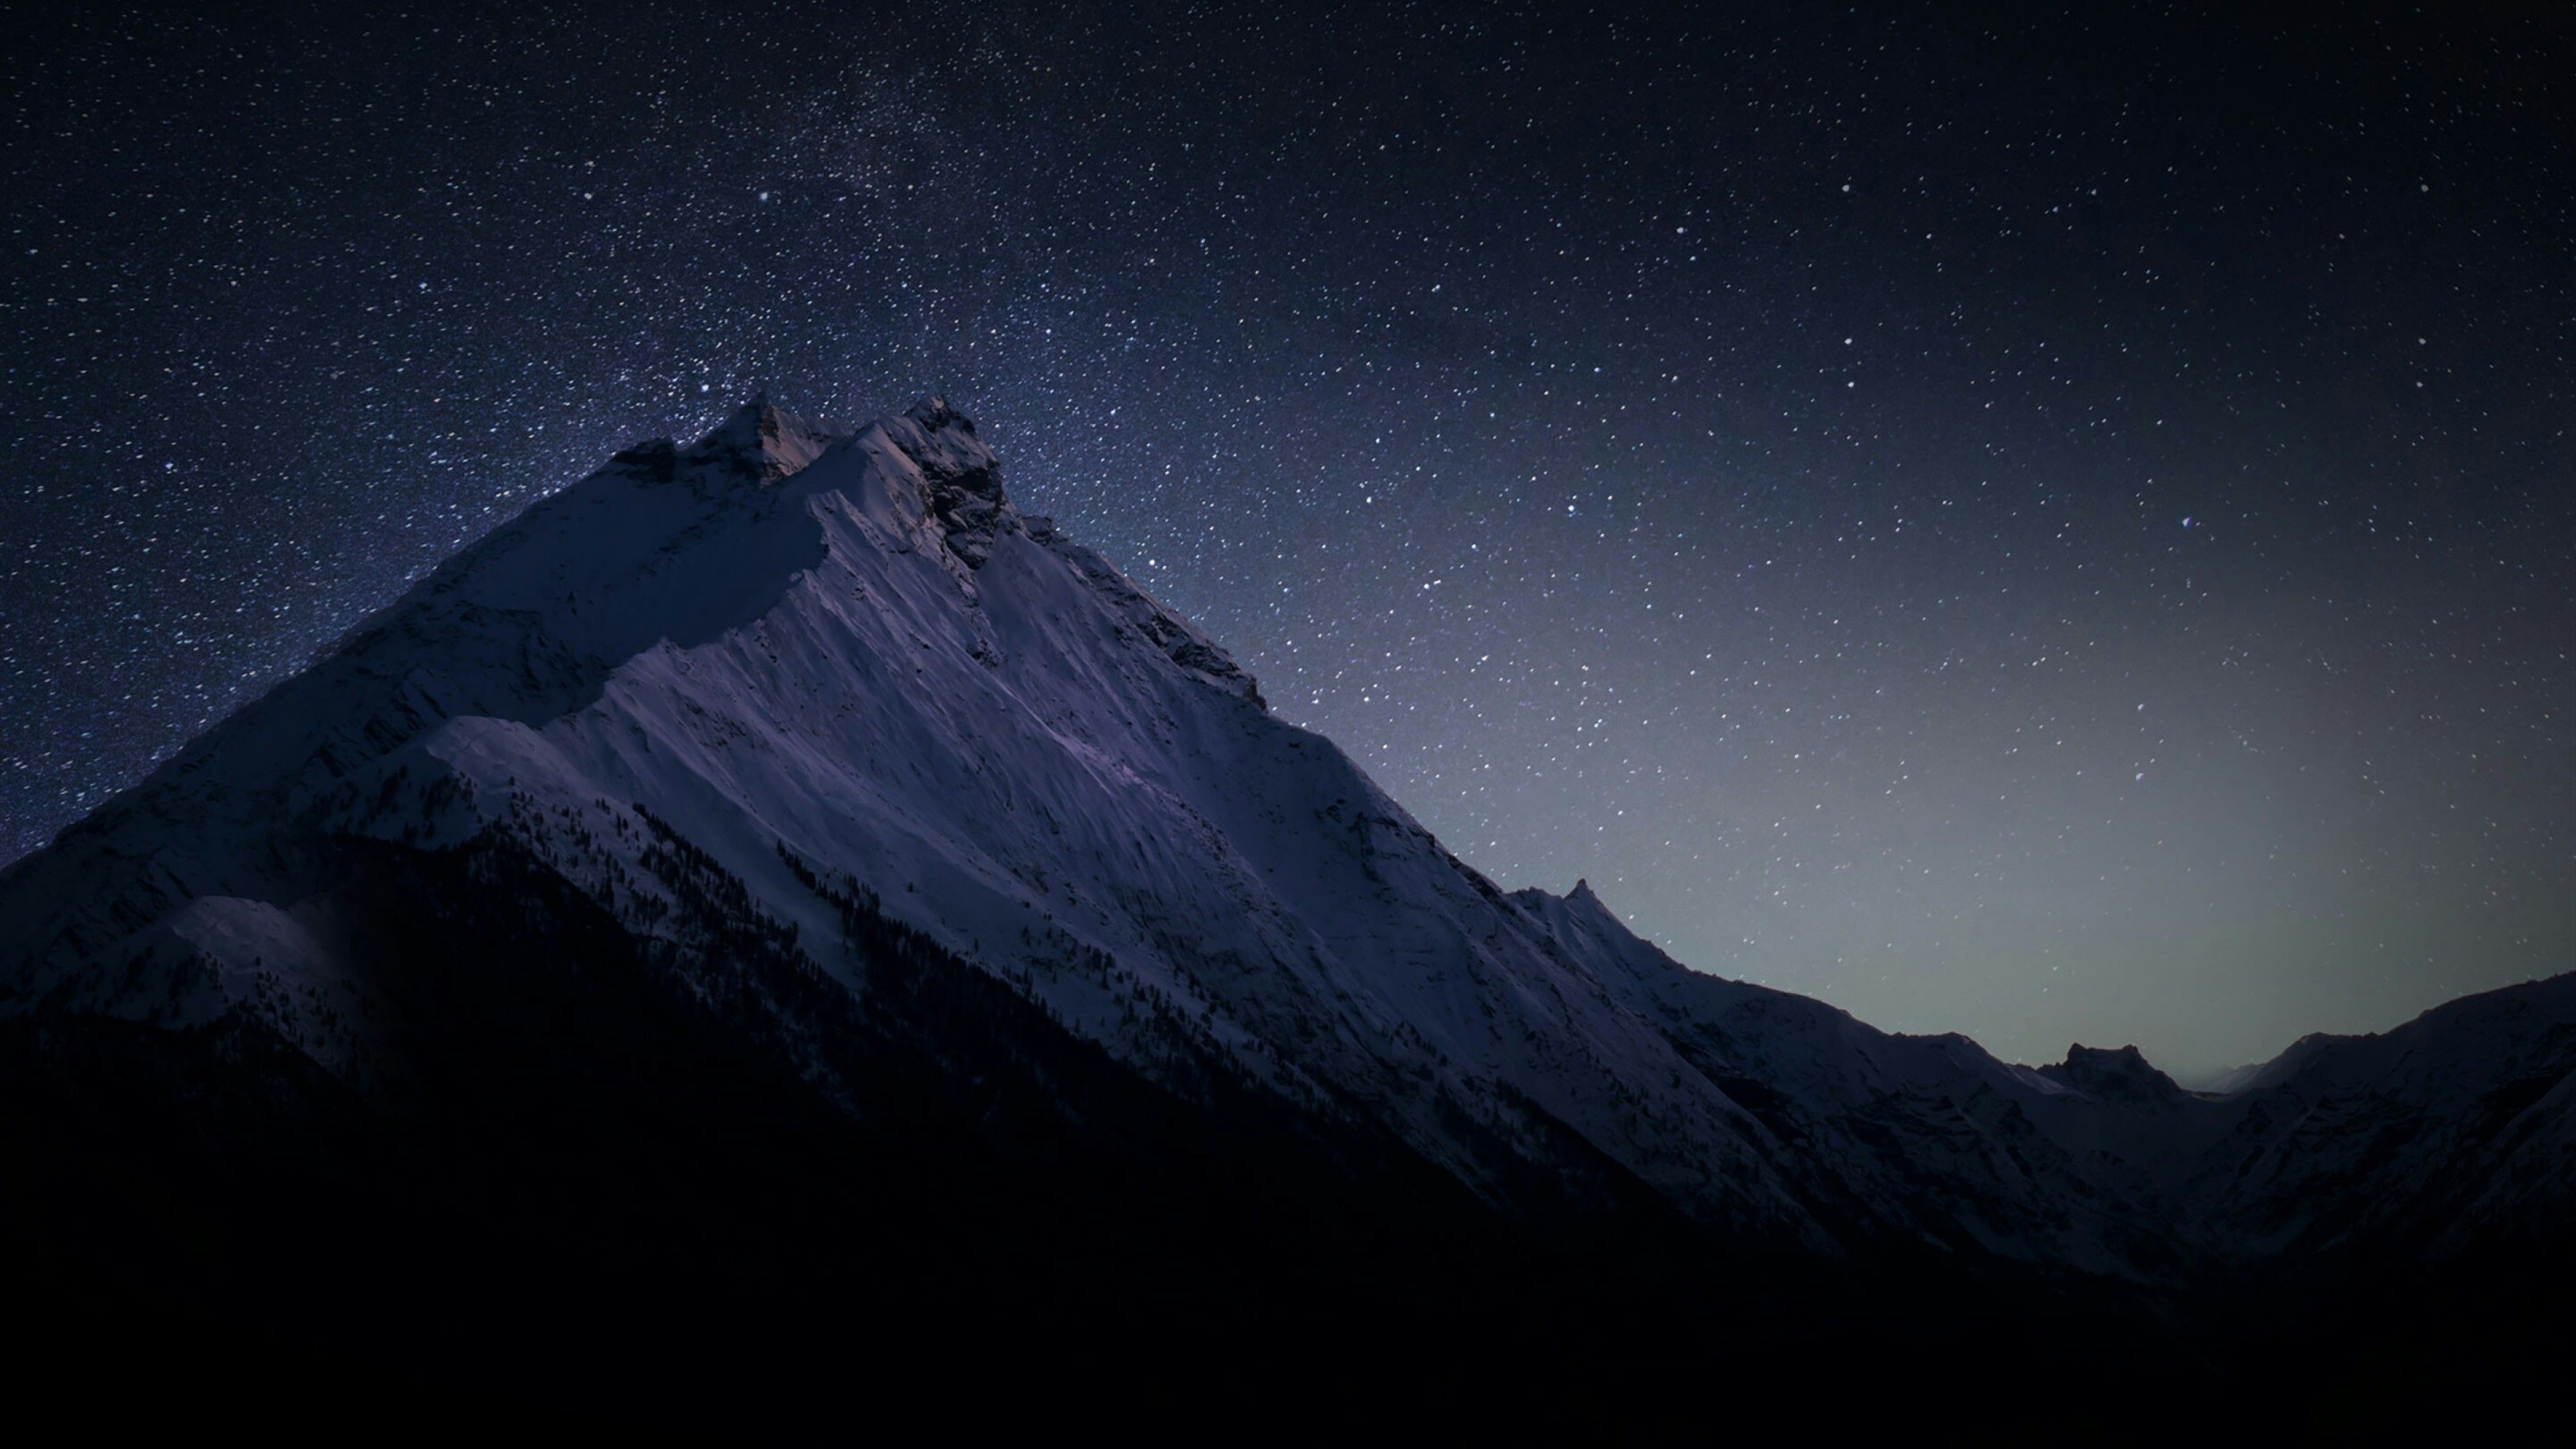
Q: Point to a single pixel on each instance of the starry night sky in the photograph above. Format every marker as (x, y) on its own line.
(2046, 526)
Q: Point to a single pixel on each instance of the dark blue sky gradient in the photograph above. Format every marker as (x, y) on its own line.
(1743, 461)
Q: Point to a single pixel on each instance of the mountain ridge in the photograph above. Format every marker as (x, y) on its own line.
(802, 734)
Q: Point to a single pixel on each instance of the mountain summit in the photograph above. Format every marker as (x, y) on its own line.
(793, 789)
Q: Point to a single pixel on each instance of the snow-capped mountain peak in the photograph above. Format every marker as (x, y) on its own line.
(770, 701)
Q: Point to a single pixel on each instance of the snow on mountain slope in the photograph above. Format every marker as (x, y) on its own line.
(189, 883)
(1024, 756)
(2458, 1125)
(831, 669)
(1930, 1132)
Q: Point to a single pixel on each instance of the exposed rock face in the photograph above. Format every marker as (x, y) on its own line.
(2121, 1075)
(961, 482)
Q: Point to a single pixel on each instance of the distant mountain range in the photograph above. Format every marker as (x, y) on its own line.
(774, 911)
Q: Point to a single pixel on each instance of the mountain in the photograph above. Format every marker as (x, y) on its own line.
(779, 862)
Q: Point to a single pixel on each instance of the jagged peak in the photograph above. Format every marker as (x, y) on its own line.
(941, 441)
(760, 439)
(934, 413)
(1585, 899)
(2113, 1073)
(962, 481)
(1580, 909)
